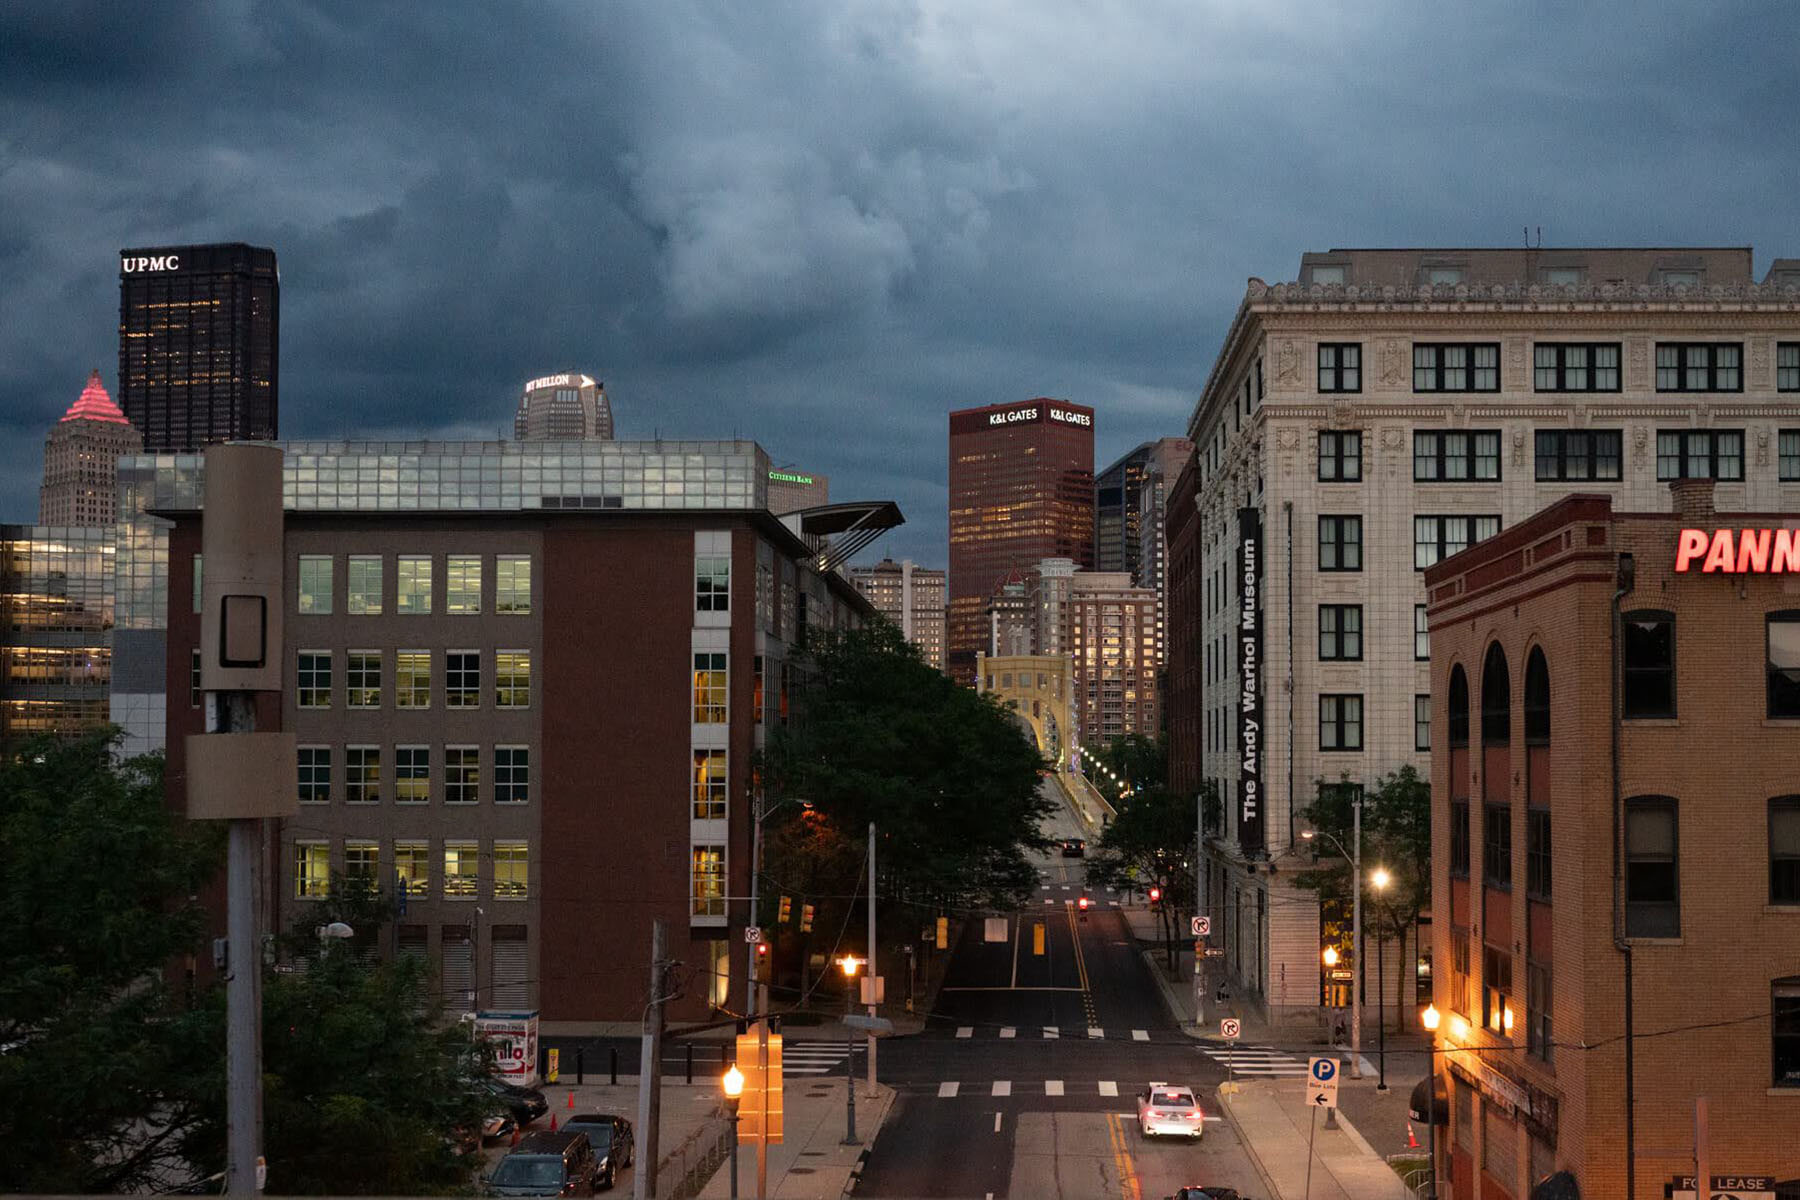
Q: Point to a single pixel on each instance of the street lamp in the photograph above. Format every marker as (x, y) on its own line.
(733, 1085)
(849, 963)
(1379, 880)
(1429, 1018)
(1355, 931)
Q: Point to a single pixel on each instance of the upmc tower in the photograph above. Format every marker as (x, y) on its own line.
(1021, 490)
(199, 342)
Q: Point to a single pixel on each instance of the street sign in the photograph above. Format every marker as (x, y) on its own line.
(1228, 1028)
(1200, 927)
(1215, 952)
(753, 934)
(876, 1025)
(1322, 1082)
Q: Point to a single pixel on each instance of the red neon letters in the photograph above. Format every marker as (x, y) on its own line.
(1739, 552)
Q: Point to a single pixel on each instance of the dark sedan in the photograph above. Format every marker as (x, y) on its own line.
(1074, 848)
(611, 1139)
(523, 1105)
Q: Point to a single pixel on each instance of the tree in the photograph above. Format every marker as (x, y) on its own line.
(97, 886)
(1150, 844)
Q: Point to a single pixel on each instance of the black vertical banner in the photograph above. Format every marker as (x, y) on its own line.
(1251, 681)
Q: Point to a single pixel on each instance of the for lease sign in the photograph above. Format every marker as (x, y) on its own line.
(1739, 551)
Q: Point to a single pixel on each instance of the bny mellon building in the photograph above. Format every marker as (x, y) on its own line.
(1380, 413)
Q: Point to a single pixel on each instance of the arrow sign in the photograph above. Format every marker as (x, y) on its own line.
(1228, 1028)
(1200, 927)
(1322, 1082)
(753, 934)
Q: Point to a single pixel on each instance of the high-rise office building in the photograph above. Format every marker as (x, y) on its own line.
(566, 407)
(199, 344)
(1021, 490)
(81, 459)
(56, 628)
(1128, 508)
(910, 596)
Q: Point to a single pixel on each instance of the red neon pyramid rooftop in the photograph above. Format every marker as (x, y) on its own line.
(94, 404)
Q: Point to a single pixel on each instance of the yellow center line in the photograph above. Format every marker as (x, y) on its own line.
(1129, 1187)
(1080, 959)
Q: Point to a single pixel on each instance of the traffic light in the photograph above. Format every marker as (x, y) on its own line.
(1156, 895)
(806, 918)
(1083, 902)
(787, 910)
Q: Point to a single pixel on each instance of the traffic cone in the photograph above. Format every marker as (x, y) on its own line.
(1412, 1142)
(515, 1136)
(571, 1101)
(552, 1122)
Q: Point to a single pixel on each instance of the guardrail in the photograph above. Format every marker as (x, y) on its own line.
(684, 1171)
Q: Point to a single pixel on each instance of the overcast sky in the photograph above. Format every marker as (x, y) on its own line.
(824, 224)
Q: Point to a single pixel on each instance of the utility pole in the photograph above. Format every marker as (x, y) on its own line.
(243, 985)
(1702, 1135)
(874, 976)
(755, 876)
(760, 1013)
(643, 1183)
(1356, 984)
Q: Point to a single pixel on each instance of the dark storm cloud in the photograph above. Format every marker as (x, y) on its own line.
(824, 223)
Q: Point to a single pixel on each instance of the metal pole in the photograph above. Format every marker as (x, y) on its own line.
(734, 1149)
(1312, 1129)
(1431, 1117)
(1381, 1008)
(643, 1183)
(850, 1070)
(1356, 983)
(873, 973)
(236, 713)
(756, 843)
(762, 1061)
(1702, 1167)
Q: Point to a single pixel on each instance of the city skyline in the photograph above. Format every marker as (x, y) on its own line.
(1007, 236)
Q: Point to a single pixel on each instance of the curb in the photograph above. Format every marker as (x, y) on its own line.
(1171, 1000)
(862, 1160)
(1262, 1172)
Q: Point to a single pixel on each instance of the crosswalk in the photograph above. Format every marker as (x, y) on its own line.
(1256, 1061)
(1050, 1033)
(953, 1089)
(814, 1058)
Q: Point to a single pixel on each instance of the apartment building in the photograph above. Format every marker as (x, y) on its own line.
(1383, 412)
(1601, 878)
(1115, 639)
(910, 596)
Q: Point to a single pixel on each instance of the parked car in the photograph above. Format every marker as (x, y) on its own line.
(523, 1105)
(1202, 1192)
(1171, 1109)
(547, 1164)
(1074, 848)
(611, 1138)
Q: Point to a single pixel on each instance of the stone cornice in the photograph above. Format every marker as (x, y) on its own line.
(1541, 299)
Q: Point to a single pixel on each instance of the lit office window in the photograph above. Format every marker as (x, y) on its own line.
(512, 584)
(462, 870)
(315, 584)
(363, 598)
(412, 679)
(710, 700)
(511, 865)
(512, 678)
(462, 584)
(312, 870)
(412, 584)
(709, 785)
(709, 881)
(412, 867)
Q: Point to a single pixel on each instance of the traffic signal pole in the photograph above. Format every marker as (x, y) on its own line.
(873, 975)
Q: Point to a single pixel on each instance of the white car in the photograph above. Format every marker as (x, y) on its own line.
(1166, 1108)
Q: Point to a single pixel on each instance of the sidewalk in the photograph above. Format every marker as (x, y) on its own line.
(1274, 1121)
(811, 1162)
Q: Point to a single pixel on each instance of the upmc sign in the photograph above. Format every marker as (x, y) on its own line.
(1739, 552)
(144, 264)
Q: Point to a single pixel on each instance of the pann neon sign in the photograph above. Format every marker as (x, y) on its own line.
(1739, 551)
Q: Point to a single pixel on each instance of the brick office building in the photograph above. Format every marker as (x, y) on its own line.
(527, 681)
(1692, 926)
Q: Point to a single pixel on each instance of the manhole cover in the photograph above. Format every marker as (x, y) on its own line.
(812, 1154)
(800, 1170)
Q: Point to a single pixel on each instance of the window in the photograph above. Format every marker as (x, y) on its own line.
(1784, 996)
(362, 774)
(1443, 276)
(1700, 454)
(462, 774)
(712, 583)
(512, 774)
(412, 774)
(462, 679)
(462, 584)
(511, 863)
(1579, 367)
(1438, 537)
(1496, 989)
(412, 679)
(1647, 650)
(197, 574)
(1340, 456)
(1537, 699)
(364, 596)
(512, 584)
(1678, 279)
(1340, 722)
(1784, 850)
(1496, 846)
(1421, 634)
(312, 870)
(756, 690)
(1325, 275)
(1340, 543)
(195, 693)
(412, 584)
(512, 678)
(315, 584)
(710, 706)
(1652, 875)
(709, 785)
(709, 881)
(1784, 664)
(462, 870)
(1455, 456)
(1459, 838)
(1699, 367)
(1577, 454)
(1422, 722)
(1340, 632)
(1537, 853)
(1456, 368)
(362, 867)
(314, 675)
(1561, 277)
(412, 867)
(1538, 1026)
(1459, 967)
(1496, 698)
(1787, 367)
(1787, 455)
(315, 774)
(1340, 365)
(362, 679)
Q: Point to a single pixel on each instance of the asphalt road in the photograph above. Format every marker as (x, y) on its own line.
(1025, 1081)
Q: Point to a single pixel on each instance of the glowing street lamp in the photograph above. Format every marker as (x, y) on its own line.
(1430, 1018)
(733, 1086)
(849, 963)
(1379, 880)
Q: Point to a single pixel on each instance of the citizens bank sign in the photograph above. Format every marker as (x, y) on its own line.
(1251, 681)
(1739, 552)
(143, 265)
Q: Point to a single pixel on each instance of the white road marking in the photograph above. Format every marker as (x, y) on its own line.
(1109, 1087)
(996, 1122)
(1002, 1087)
(1048, 900)
(1051, 1031)
(1065, 887)
(964, 1031)
(1114, 903)
(1053, 1087)
(1094, 1031)
(947, 1090)
(1007, 1031)
(1140, 1035)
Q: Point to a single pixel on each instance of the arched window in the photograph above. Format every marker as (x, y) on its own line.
(1537, 699)
(1496, 699)
(1459, 709)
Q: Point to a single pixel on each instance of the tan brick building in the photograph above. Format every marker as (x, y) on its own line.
(910, 596)
(81, 460)
(1668, 912)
